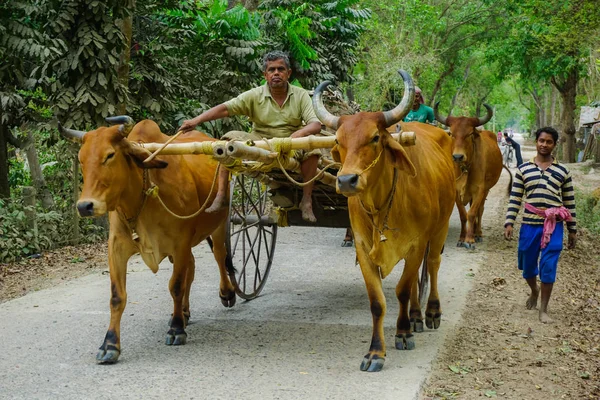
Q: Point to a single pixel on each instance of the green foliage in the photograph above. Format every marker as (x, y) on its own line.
(18, 238)
(187, 56)
(22, 46)
(18, 176)
(435, 41)
(588, 212)
(545, 39)
(322, 37)
(83, 83)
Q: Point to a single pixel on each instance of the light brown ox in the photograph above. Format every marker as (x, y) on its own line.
(478, 164)
(405, 194)
(115, 181)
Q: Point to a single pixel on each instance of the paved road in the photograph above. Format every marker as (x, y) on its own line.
(304, 338)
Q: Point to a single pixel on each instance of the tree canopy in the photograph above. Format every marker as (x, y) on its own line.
(77, 61)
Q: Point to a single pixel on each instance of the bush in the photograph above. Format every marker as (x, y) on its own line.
(588, 212)
(19, 238)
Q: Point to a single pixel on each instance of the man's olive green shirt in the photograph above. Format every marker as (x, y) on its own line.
(268, 119)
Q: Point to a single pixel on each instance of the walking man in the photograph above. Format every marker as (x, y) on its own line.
(547, 190)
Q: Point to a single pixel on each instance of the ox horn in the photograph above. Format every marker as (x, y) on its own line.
(126, 122)
(327, 118)
(401, 110)
(71, 134)
(437, 115)
(490, 113)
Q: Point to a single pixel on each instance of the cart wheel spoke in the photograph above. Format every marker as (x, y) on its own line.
(252, 235)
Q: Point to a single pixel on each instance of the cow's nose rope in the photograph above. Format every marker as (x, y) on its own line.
(375, 161)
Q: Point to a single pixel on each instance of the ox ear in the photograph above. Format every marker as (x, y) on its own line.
(139, 154)
(335, 154)
(401, 159)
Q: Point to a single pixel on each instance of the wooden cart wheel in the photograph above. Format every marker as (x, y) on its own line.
(424, 280)
(252, 233)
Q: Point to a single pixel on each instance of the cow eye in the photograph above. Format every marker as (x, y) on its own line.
(336, 141)
(109, 156)
(375, 139)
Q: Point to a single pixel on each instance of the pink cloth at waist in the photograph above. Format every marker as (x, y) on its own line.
(550, 215)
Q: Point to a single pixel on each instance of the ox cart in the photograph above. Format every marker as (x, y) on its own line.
(264, 195)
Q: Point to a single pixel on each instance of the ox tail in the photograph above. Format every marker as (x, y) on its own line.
(228, 261)
(229, 265)
(511, 179)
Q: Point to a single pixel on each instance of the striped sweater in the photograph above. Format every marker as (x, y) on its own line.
(542, 189)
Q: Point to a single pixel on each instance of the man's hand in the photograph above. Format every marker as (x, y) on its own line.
(508, 232)
(188, 125)
(572, 240)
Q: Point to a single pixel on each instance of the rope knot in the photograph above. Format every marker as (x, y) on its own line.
(152, 191)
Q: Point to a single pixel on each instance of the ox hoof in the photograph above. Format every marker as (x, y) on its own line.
(372, 363)
(460, 244)
(405, 341)
(347, 243)
(470, 246)
(176, 337)
(229, 300)
(108, 356)
(478, 239)
(433, 321)
(416, 325)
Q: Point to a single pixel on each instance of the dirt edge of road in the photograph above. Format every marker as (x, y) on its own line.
(501, 350)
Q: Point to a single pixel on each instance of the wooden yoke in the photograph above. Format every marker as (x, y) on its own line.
(304, 143)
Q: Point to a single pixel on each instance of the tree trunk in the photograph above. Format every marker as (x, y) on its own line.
(231, 3)
(350, 93)
(250, 5)
(568, 91)
(35, 170)
(465, 76)
(4, 185)
(438, 83)
(553, 108)
(123, 69)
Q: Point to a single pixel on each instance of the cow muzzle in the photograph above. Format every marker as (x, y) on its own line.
(347, 184)
(458, 157)
(90, 208)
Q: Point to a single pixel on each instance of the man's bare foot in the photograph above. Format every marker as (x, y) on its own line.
(531, 302)
(544, 318)
(307, 212)
(216, 205)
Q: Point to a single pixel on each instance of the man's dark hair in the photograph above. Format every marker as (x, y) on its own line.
(548, 130)
(276, 55)
(506, 134)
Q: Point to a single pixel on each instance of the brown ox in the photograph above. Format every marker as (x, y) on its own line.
(115, 181)
(478, 164)
(400, 200)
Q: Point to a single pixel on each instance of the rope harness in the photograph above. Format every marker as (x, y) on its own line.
(154, 192)
(384, 227)
(464, 168)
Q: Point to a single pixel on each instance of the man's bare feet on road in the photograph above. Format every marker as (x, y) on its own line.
(531, 302)
(544, 318)
(307, 212)
(216, 205)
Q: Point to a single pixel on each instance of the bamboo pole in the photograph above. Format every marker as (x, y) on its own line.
(275, 144)
(242, 150)
(147, 160)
